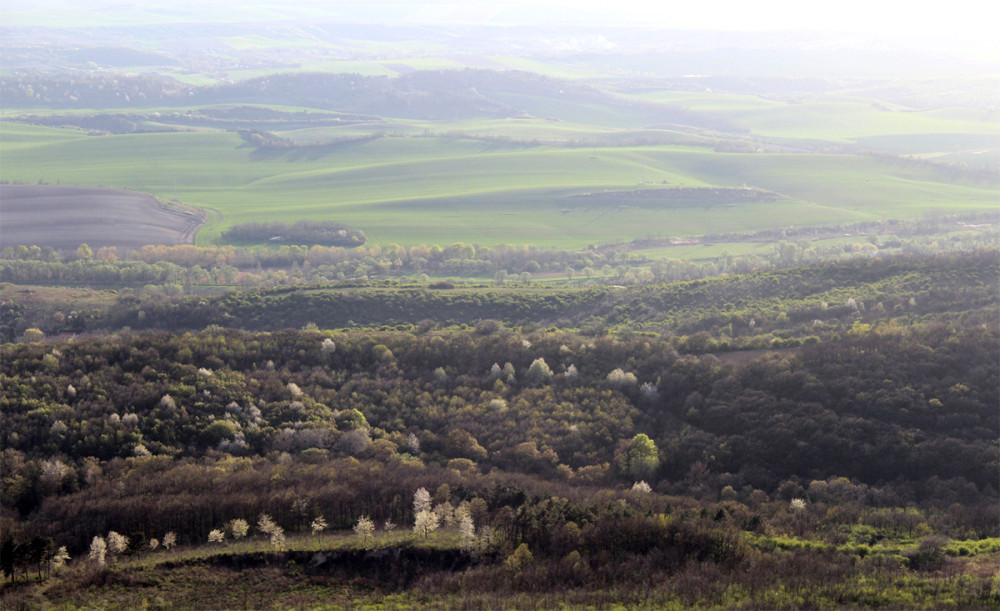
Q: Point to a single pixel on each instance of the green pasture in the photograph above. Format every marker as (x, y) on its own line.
(550, 68)
(591, 113)
(708, 101)
(837, 118)
(412, 190)
(847, 120)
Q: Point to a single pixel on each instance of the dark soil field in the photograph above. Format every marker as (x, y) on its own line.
(64, 217)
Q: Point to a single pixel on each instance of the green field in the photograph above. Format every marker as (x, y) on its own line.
(413, 190)
(519, 179)
(838, 118)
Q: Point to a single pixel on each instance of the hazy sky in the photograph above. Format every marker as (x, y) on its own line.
(866, 16)
(963, 23)
(844, 15)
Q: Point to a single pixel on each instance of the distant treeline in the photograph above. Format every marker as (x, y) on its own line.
(325, 233)
(425, 94)
(266, 141)
(295, 264)
(243, 118)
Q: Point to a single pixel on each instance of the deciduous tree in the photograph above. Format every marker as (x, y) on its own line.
(426, 522)
(98, 550)
(364, 529)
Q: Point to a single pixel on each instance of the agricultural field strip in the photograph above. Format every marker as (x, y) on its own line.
(651, 157)
(855, 117)
(466, 168)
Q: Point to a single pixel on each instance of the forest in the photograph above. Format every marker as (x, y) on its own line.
(640, 448)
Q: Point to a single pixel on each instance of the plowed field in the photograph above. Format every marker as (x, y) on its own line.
(64, 217)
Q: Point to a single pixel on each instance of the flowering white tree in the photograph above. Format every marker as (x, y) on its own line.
(216, 536)
(169, 540)
(467, 532)
(239, 528)
(328, 347)
(98, 549)
(59, 559)
(539, 371)
(53, 472)
(620, 377)
(364, 528)
(421, 500)
(154, 543)
(388, 526)
(270, 528)
(426, 522)
(797, 505)
(266, 524)
(641, 487)
(117, 543)
(445, 513)
(413, 444)
(497, 405)
(461, 511)
(318, 525)
(648, 391)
